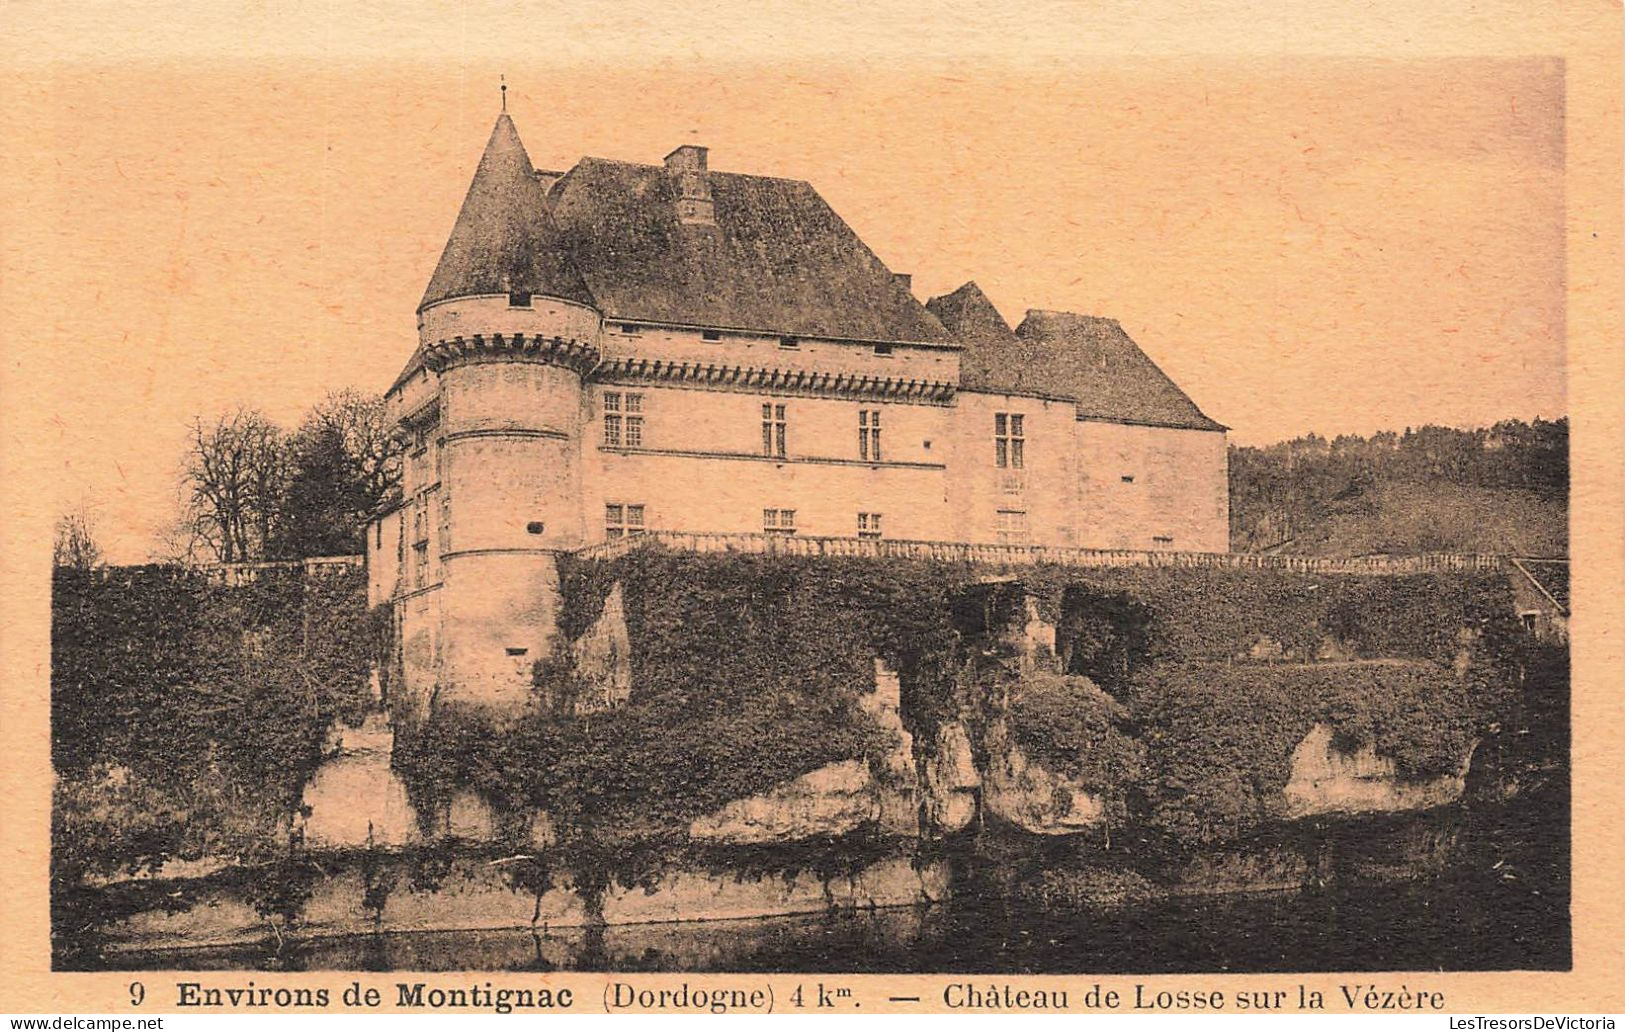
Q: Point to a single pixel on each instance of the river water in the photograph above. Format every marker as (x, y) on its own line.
(1437, 925)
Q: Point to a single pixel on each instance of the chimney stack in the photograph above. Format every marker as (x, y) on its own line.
(694, 206)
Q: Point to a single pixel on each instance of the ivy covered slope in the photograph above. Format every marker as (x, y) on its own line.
(747, 672)
(186, 715)
(1186, 692)
(1218, 676)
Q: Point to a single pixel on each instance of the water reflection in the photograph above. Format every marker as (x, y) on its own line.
(1438, 925)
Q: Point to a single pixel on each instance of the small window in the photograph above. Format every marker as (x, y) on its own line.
(622, 520)
(1009, 440)
(883, 350)
(789, 344)
(1128, 478)
(1012, 527)
(779, 521)
(378, 536)
(627, 327)
(710, 334)
(775, 430)
(534, 527)
(518, 652)
(1162, 539)
(518, 299)
(869, 435)
(869, 525)
(1529, 620)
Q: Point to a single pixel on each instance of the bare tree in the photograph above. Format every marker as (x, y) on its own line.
(236, 470)
(370, 444)
(74, 544)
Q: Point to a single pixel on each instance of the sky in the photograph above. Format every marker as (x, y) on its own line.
(1312, 225)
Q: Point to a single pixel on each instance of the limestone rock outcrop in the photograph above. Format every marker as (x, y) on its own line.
(355, 799)
(1326, 779)
(603, 657)
(951, 781)
(823, 803)
(1032, 797)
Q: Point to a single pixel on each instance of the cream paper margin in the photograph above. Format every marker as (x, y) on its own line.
(1585, 34)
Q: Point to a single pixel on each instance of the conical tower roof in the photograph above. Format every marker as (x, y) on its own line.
(504, 239)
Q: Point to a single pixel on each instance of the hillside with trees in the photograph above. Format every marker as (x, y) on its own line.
(1499, 489)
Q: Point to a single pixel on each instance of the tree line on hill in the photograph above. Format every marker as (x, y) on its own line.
(1279, 492)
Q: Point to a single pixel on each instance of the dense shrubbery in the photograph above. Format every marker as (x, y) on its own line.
(1219, 738)
(1221, 614)
(186, 715)
(1073, 728)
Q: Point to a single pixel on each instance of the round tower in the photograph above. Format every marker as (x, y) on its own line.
(508, 329)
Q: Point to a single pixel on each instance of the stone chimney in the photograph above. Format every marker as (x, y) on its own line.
(688, 164)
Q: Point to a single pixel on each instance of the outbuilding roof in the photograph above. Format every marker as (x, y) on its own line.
(1086, 358)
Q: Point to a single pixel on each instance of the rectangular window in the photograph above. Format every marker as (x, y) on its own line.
(710, 334)
(1012, 527)
(774, 430)
(789, 344)
(883, 349)
(622, 520)
(778, 521)
(634, 420)
(868, 524)
(1009, 440)
(518, 299)
(444, 545)
(869, 434)
(623, 420)
(1162, 539)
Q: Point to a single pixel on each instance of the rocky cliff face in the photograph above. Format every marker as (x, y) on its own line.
(355, 799)
(1329, 780)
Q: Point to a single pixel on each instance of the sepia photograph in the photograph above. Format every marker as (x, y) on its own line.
(541, 491)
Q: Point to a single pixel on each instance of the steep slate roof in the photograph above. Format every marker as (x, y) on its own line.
(970, 316)
(778, 259)
(1058, 354)
(504, 240)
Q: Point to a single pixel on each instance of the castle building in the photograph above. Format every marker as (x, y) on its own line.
(621, 349)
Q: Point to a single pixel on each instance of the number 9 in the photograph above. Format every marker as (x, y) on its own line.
(138, 992)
